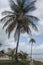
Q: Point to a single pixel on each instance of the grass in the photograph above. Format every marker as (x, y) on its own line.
(4, 62)
(38, 63)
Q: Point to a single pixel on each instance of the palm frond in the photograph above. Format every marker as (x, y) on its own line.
(6, 17)
(32, 21)
(8, 21)
(32, 18)
(26, 26)
(30, 7)
(21, 2)
(27, 29)
(34, 26)
(7, 13)
(13, 6)
(32, 40)
(10, 28)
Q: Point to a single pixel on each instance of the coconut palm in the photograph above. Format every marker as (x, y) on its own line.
(18, 18)
(32, 40)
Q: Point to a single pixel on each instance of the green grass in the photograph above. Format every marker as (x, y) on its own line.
(3, 62)
(38, 63)
(11, 63)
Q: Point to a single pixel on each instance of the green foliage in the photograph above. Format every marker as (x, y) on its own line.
(10, 53)
(21, 2)
(30, 7)
(2, 53)
(22, 56)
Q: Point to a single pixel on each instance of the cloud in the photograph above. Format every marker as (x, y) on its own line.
(24, 47)
(40, 46)
(3, 4)
(24, 35)
(27, 48)
(3, 35)
(28, 39)
(39, 13)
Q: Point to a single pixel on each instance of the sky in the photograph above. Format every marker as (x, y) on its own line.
(24, 38)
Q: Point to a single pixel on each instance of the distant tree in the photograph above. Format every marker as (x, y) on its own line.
(11, 53)
(32, 40)
(23, 56)
(1, 53)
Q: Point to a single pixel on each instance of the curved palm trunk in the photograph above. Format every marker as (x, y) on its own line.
(31, 51)
(16, 58)
(31, 62)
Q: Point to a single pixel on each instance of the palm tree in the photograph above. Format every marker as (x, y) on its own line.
(32, 41)
(17, 18)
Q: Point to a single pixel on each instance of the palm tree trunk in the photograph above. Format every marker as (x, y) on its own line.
(31, 62)
(16, 58)
(31, 51)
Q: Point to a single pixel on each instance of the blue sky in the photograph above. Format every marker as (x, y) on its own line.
(24, 38)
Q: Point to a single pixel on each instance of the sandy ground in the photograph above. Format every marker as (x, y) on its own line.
(36, 59)
(4, 58)
(39, 59)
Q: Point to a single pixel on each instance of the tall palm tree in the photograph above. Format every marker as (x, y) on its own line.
(32, 40)
(18, 18)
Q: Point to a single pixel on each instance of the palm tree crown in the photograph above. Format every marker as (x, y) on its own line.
(17, 17)
(32, 40)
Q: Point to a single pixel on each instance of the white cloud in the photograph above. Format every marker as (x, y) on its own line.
(39, 13)
(3, 4)
(24, 35)
(28, 39)
(41, 23)
(24, 47)
(40, 47)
